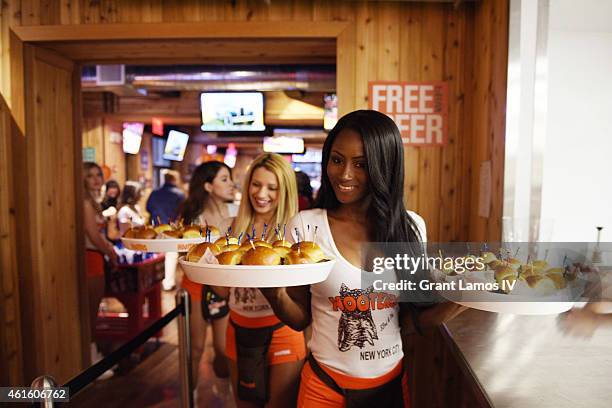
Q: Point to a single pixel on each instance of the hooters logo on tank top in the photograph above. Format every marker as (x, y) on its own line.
(356, 326)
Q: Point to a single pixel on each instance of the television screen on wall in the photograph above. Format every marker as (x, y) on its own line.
(132, 137)
(232, 111)
(175, 145)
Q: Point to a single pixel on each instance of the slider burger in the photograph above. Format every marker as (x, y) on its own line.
(281, 243)
(310, 249)
(229, 248)
(541, 284)
(227, 241)
(505, 273)
(261, 255)
(230, 257)
(140, 233)
(174, 234)
(161, 228)
(197, 251)
(246, 245)
(296, 258)
(488, 257)
(513, 263)
(192, 231)
(282, 247)
(132, 232)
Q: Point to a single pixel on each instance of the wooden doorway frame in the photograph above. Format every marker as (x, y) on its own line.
(27, 39)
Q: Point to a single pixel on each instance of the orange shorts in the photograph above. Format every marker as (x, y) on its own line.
(314, 393)
(287, 344)
(94, 263)
(194, 289)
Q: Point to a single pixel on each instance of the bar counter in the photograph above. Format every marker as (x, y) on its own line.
(528, 361)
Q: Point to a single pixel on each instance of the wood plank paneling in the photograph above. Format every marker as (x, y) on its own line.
(203, 51)
(10, 319)
(488, 83)
(410, 61)
(451, 210)
(431, 69)
(50, 279)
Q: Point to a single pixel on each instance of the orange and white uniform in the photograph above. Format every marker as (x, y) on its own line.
(94, 258)
(250, 309)
(355, 331)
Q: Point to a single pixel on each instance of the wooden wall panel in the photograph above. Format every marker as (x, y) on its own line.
(488, 114)
(114, 157)
(93, 136)
(10, 321)
(46, 207)
(97, 134)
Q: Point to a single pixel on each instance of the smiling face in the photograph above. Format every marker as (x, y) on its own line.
(222, 185)
(94, 179)
(263, 191)
(347, 168)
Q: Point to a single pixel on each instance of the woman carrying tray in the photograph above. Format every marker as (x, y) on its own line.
(356, 347)
(265, 355)
(211, 189)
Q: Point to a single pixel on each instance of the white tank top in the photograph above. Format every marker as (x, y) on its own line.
(247, 302)
(348, 337)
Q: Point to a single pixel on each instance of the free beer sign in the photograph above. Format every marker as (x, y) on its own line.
(419, 109)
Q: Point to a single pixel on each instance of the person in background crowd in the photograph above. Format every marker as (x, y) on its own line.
(211, 190)
(129, 211)
(96, 243)
(265, 355)
(111, 195)
(163, 205)
(305, 196)
(360, 201)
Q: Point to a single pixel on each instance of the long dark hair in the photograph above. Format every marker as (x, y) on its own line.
(130, 194)
(198, 196)
(382, 144)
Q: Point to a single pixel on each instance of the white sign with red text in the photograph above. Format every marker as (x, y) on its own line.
(419, 109)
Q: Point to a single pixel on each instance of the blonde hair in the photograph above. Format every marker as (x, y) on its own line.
(87, 194)
(287, 192)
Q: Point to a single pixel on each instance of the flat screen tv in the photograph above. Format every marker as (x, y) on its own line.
(283, 144)
(175, 145)
(132, 137)
(232, 111)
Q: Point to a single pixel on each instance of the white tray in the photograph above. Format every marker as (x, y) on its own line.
(511, 304)
(161, 245)
(247, 276)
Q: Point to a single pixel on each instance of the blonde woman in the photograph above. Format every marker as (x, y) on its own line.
(97, 244)
(255, 336)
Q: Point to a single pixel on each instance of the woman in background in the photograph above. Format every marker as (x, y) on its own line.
(111, 195)
(211, 191)
(96, 243)
(129, 211)
(305, 195)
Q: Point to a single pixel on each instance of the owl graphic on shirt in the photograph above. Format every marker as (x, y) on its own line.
(356, 326)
